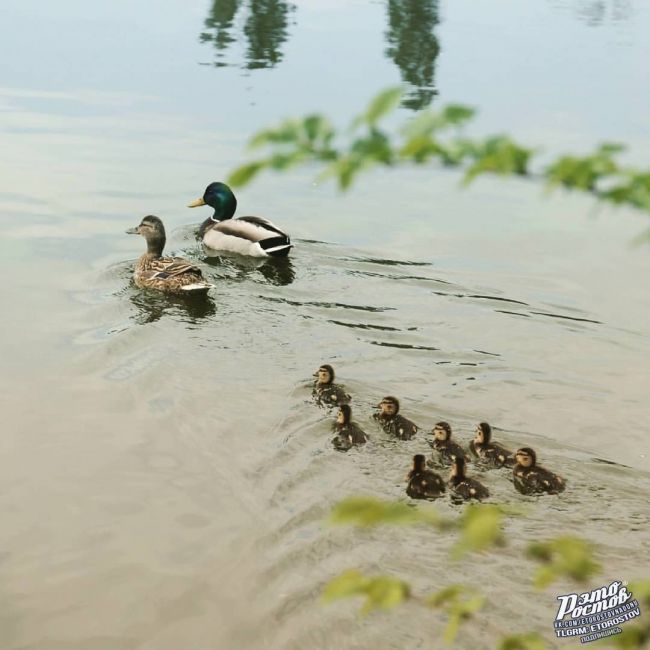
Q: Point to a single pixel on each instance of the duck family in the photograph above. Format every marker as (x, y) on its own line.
(251, 236)
(422, 481)
(258, 237)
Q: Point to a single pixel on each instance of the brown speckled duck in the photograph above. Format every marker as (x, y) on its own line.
(530, 478)
(171, 274)
(423, 483)
(348, 433)
(326, 392)
(392, 422)
(464, 486)
(491, 453)
(445, 450)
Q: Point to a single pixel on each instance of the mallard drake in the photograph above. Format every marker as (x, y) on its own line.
(464, 486)
(530, 478)
(254, 236)
(172, 274)
(348, 433)
(423, 483)
(445, 449)
(492, 453)
(392, 422)
(326, 392)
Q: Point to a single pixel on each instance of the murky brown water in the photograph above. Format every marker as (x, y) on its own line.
(163, 475)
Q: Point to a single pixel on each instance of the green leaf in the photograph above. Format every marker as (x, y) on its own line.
(244, 174)
(565, 556)
(460, 603)
(499, 155)
(481, 528)
(369, 511)
(381, 592)
(385, 102)
(349, 583)
(287, 132)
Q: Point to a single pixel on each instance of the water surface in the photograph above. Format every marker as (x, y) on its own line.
(163, 475)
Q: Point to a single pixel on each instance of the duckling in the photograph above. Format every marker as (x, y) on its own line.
(392, 422)
(348, 433)
(447, 450)
(462, 485)
(492, 453)
(530, 478)
(254, 236)
(171, 274)
(326, 392)
(423, 483)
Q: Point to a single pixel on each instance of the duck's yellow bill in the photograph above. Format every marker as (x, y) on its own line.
(196, 204)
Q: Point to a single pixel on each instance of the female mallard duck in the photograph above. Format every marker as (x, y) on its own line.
(444, 447)
(348, 433)
(171, 274)
(423, 483)
(392, 422)
(326, 392)
(530, 478)
(492, 453)
(245, 235)
(464, 486)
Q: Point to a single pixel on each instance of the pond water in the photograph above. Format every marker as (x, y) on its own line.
(164, 478)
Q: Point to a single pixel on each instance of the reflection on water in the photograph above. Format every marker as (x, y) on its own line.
(276, 271)
(413, 46)
(412, 43)
(598, 12)
(265, 30)
(151, 306)
(219, 23)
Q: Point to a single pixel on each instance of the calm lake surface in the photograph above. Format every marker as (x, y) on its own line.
(164, 478)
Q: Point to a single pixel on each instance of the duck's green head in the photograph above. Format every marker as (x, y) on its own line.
(220, 197)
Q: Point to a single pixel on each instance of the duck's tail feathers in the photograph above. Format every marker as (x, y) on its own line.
(197, 287)
(276, 246)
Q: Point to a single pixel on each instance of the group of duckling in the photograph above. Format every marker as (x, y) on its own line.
(258, 237)
(253, 236)
(424, 483)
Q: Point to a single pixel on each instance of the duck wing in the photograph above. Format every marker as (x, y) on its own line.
(260, 222)
(168, 267)
(254, 229)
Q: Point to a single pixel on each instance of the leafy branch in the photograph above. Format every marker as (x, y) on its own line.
(436, 136)
(479, 528)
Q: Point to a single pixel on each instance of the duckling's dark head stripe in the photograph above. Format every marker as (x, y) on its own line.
(389, 399)
(347, 413)
(527, 451)
(487, 431)
(328, 368)
(445, 426)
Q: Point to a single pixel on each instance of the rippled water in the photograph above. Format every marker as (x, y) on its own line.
(164, 476)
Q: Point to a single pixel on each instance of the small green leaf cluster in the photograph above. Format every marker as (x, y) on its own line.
(636, 635)
(563, 556)
(436, 136)
(479, 528)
